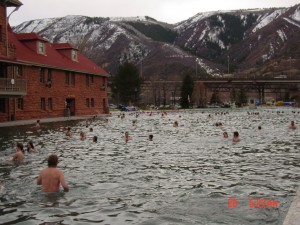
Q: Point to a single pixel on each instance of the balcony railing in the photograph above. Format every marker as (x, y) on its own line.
(15, 87)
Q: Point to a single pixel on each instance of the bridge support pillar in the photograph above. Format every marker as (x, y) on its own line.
(261, 93)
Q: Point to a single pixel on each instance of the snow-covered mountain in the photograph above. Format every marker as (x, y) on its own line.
(250, 40)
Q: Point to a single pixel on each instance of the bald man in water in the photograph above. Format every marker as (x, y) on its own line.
(51, 177)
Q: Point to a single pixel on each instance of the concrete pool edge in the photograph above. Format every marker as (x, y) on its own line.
(293, 215)
(46, 120)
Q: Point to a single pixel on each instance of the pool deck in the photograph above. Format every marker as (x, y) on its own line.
(46, 120)
(293, 215)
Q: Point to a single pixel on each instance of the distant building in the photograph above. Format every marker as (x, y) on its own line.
(39, 79)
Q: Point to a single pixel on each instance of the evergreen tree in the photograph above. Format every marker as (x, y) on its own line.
(186, 91)
(127, 83)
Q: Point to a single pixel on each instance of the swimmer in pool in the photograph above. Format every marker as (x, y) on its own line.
(50, 178)
(225, 135)
(19, 155)
(150, 137)
(82, 136)
(175, 124)
(95, 139)
(30, 147)
(127, 137)
(292, 125)
(38, 125)
(68, 132)
(236, 137)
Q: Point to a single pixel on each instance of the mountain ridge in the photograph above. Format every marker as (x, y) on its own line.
(170, 50)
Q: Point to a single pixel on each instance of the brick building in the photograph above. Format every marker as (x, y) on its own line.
(39, 79)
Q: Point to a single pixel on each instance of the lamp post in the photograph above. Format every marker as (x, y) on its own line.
(173, 99)
(196, 68)
(141, 68)
(290, 67)
(136, 101)
(228, 63)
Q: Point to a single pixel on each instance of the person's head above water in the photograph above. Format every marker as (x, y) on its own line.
(259, 127)
(95, 139)
(225, 135)
(235, 134)
(30, 145)
(151, 137)
(52, 160)
(20, 147)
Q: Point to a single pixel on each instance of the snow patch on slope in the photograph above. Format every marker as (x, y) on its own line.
(296, 15)
(208, 70)
(268, 18)
(213, 36)
(282, 35)
(190, 22)
(128, 19)
(292, 22)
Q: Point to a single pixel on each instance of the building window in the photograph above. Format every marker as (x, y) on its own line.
(87, 80)
(50, 74)
(49, 79)
(73, 79)
(74, 55)
(1, 33)
(50, 104)
(43, 106)
(19, 71)
(87, 102)
(42, 75)
(41, 47)
(20, 104)
(103, 82)
(67, 78)
(92, 79)
(2, 105)
(92, 102)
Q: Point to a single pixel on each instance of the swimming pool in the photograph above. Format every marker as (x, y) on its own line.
(185, 176)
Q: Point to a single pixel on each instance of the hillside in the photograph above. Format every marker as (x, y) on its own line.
(256, 41)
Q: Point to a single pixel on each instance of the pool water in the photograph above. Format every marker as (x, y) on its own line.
(185, 176)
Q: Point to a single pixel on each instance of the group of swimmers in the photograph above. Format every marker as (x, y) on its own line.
(82, 136)
(19, 155)
(51, 177)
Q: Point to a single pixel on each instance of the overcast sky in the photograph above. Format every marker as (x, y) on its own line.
(170, 11)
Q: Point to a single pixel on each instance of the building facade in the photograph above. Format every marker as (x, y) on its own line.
(39, 79)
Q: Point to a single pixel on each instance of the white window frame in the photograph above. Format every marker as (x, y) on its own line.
(74, 55)
(41, 48)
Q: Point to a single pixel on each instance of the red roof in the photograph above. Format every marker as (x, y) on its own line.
(30, 37)
(63, 46)
(53, 58)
